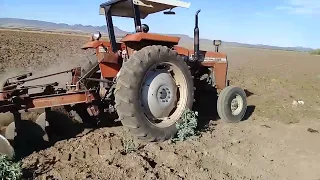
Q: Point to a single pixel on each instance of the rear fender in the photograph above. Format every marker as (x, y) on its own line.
(136, 41)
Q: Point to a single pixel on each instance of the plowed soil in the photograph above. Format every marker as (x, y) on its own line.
(277, 140)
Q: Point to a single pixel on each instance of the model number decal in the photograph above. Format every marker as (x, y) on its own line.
(207, 58)
(102, 49)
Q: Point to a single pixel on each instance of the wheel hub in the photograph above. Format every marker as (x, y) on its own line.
(236, 105)
(164, 94)
(159, 94)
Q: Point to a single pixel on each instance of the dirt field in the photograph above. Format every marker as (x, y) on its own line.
(272, 143)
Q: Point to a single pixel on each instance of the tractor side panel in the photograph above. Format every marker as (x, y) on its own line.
(215, 60)
(219, 63)
(220, 73)
(109, 62)
(204, 55)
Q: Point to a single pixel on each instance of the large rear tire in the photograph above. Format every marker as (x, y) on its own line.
(155, 84)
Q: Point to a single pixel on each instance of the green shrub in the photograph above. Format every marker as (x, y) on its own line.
(187, 127)
(9, 170)
(315, 52)
(129, 146)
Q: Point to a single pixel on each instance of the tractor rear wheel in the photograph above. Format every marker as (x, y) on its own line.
(232, 104)
(153, 89)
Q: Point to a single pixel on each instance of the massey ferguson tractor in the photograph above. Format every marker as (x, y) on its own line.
(146, 80)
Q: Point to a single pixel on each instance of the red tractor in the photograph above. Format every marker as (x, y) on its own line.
(146, 80)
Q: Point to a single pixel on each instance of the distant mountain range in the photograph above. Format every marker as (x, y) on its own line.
(86, 29)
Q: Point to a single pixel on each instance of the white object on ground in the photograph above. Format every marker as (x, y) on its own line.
(296, 103)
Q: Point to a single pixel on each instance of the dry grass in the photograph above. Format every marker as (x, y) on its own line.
(315, 52)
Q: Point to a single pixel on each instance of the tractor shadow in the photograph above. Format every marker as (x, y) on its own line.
(105, 119)
(206, 98)
(30, 139)
(250, 108)
(248, 93)
(249, 112)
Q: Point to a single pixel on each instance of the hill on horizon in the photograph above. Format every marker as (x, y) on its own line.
(15, 23)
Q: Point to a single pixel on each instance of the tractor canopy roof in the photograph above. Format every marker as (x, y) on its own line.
(123, 8)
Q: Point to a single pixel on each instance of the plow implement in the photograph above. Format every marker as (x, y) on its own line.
(146, 81)
(15, 99)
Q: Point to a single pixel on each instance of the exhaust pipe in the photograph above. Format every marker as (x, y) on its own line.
(196, 37)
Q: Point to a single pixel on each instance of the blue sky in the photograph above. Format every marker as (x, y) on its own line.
(271, 22)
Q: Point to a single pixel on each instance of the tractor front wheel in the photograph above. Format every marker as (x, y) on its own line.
(153, 89)
(232, 104)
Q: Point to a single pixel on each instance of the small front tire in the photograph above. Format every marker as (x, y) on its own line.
(232, 104)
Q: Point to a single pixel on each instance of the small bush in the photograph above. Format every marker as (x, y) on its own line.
(187, 127)
(315, 52)
(9, 170)
(129, 146)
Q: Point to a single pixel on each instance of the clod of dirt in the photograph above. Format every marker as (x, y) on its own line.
(266, 126)
(313, 130)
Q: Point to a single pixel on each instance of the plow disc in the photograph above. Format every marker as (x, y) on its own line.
(36, 131)
(5, 147)
(10, 130)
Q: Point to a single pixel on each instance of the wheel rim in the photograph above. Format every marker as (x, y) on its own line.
(236, 105)
(163, 94)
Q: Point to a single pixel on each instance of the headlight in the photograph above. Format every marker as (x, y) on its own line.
(217, 42)
(96, 36)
